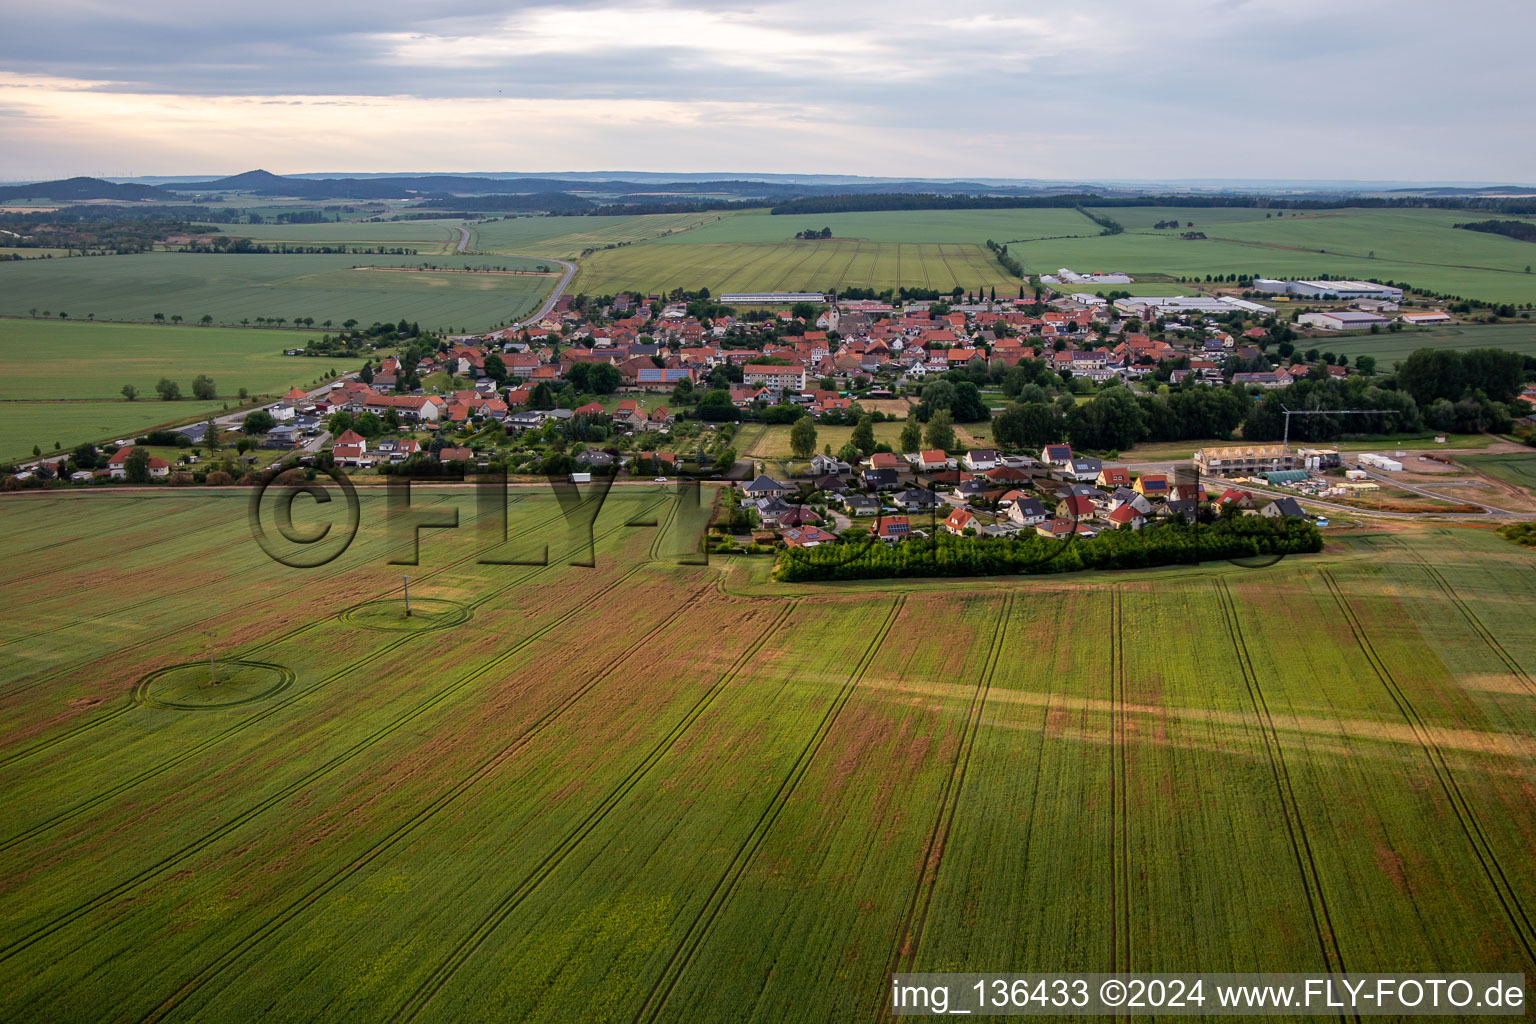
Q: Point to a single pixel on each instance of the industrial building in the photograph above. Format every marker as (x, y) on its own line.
(1159, 305)
(1380, 462)
(1343, 320)
(1328, 289)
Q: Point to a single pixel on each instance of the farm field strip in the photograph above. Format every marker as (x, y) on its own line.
(683, 956)
(911, 931)
(482, 772)
(1476, 834)
(1295, 824)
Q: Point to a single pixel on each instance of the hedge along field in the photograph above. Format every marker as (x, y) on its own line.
(645, 791)
(793, 266)
(235, 287)
(927, 226)
(62, 381)
(569, 236)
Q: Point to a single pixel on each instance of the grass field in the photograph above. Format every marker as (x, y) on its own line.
(1518, 468)
(642, 791)
(928, 226)
(234, 287)
(793, 266)
(1389, 348)
(772, 442)
(569, 236)
(63, 381)
(426, 236)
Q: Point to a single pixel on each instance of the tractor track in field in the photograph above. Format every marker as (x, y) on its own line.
(1119, 797)
(483, 771)
(682, 957)
(1471, 826)
(123, 709)
(246, 722)
(447, 968)
(380, 734)
(1439, 580)
(149, 601)
(1295, 825)
(909, 934)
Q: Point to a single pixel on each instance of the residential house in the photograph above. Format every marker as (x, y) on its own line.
(826, 465)
(959, 521)
(1152, 485)
(1083, 469)
(881, 479)
(861, 504)
(932, 459)
(1287, 507)
(1026, 510)
(765, 487)
(1057, 455)
(806, 537)
(980, 460)
(917, 499)
(1113, 476)
(1127, 516)
(891, 529)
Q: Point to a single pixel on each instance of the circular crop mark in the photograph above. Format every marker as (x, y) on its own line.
(427, 613)
(195, 687)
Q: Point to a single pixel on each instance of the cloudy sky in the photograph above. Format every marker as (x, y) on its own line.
(1108, 89)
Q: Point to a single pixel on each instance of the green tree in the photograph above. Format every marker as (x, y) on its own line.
(849, 453)
(136, 466)
(257, 421)
(368, 424)
(802, 437)
(168, 390)
(130, 392)
(941, 430)
(203, 387)
(495, 368)
(211, 435)
(864, 434)
(911, 434)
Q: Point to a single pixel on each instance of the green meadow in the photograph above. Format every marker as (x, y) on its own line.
(63, 381)
(232, 288)
(648, 791)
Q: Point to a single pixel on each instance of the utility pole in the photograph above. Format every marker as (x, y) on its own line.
(1285, 444)
(407, 580)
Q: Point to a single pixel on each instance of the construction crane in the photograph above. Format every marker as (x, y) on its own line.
(1285, 445)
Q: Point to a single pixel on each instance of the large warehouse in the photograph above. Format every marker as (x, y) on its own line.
(1343, 320)
(1328, 289)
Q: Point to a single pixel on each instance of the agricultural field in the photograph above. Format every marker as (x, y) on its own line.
(63, 381)
(425, 236)
(793, 266)
(772, 441)
(1417, 246)
(1517, 468)
(1390, 347)
(569, 236)
(231, 288)
(932, 226)
(647, 791)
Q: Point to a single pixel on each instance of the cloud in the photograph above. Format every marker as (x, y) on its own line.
(977, 88)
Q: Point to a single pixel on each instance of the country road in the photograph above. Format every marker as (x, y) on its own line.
(463, 239)
(554, 296)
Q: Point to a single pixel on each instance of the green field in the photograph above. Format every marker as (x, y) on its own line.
(643, 791)
(1518, 468)
(234, 287)
(426, 236)
(928, 226)
(63, 381)
(793, 266)
(569, 236)
(1389, 347)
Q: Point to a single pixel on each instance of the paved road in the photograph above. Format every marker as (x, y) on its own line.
(554, 296)
(463, 239)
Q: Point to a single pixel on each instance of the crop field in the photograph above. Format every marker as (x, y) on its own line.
(1417, 246)
(772, 441)
(1391, 347)
(231, 288)
(793, 266)
(1518, 468)
(932, 226)
(426, 236)
(649, 791)
(63, 381)
(569, 236)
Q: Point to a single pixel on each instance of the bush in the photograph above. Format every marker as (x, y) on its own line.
(219, 478)
(180, 479)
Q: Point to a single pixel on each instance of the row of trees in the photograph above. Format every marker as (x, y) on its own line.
(1170, 543)
(169, 390)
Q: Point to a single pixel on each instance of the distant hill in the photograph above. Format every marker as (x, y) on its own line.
(76, 190)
